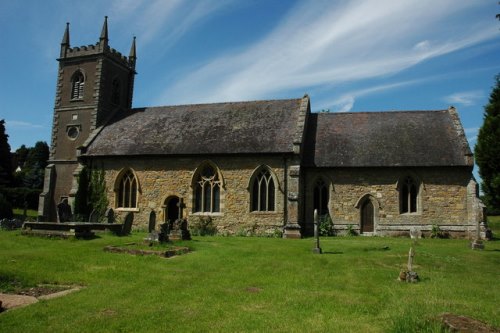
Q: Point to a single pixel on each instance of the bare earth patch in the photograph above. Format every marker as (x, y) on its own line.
(463, 324)
(32, 295)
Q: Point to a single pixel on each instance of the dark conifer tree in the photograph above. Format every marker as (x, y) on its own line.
(5, 156)
(487, 150)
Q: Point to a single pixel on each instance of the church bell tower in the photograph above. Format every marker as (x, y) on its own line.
(94, 82)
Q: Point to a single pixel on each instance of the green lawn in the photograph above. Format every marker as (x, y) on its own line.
(250, 285)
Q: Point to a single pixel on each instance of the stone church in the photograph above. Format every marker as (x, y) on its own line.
(255, 166)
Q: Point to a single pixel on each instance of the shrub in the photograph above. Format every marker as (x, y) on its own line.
(436, 232)
(202, 226)
(351, 231)
(5, 208)
(17, 196)
(10, 224)
(326, 226)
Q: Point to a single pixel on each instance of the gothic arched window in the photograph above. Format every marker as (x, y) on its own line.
(127, 191)
(321, 197)
(77, 85)
(408, 195)
(263, 195)
(207, 190)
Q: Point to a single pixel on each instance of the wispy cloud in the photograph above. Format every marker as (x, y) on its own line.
(325, 42)
(15, 124)
(150, 19)
(465, 98)
(345, 102)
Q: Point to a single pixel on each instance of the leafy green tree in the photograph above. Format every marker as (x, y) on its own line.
(5, 156)
(487, 150)
(22, 154)
(34, 167)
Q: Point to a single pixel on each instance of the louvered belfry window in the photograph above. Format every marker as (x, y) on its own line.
(77, 85)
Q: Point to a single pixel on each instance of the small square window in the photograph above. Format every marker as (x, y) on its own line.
(74, 117)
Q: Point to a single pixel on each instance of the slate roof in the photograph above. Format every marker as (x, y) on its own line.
(221, 128)
(381, 139)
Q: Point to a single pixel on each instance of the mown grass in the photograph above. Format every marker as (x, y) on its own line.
(251, 285)
(30, 213)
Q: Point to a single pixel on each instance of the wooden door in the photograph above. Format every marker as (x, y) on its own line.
(367, 216)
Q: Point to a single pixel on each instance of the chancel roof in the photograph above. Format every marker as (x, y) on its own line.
(220, 128)
(387, 139)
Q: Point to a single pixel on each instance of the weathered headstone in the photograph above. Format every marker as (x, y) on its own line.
(94, 216)
(477, 243)
(152, 221)
(415, 233)
(409, 275)
(153, 237)
(185, 234)
(127, 225)
(317, 249)
(64, 211)
(110, 215)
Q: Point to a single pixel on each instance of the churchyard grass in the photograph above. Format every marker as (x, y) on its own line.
(30, 213)
(238, 284)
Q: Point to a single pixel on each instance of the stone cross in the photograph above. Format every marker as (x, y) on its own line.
(317, 249)
(180, 204)
(411, 254)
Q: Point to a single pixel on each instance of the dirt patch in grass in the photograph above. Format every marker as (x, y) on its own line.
(27, 296)
(166, 251)
(458, 323)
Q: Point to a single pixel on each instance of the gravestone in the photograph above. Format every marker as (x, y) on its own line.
(409, 275)
(477, 243)
(94, 216)
(317, 249)
(127, 225)
(153, 237)
(64, 211)
(110, 215)
(152, 221)
(415, 233)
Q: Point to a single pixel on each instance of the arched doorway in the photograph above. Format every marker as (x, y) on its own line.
(367, 214)
(171, 209)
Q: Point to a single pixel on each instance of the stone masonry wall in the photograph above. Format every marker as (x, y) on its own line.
(163, 177)
(442, 198)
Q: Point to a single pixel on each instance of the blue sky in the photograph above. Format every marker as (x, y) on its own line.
(361, 55)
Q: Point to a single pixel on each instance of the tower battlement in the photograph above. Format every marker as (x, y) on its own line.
(100, 48)
(97, 49)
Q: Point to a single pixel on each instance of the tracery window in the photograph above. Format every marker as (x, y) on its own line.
(77, 85)
(207, 191)
(321, 197)
(408, 196)
(127, 192)
(263, 195)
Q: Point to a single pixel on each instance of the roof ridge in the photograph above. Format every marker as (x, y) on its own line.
(386, 111)
(215, 103)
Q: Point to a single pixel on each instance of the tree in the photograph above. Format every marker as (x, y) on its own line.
(91, 194)
(5, 156)
(34, 167)
(487, 150)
